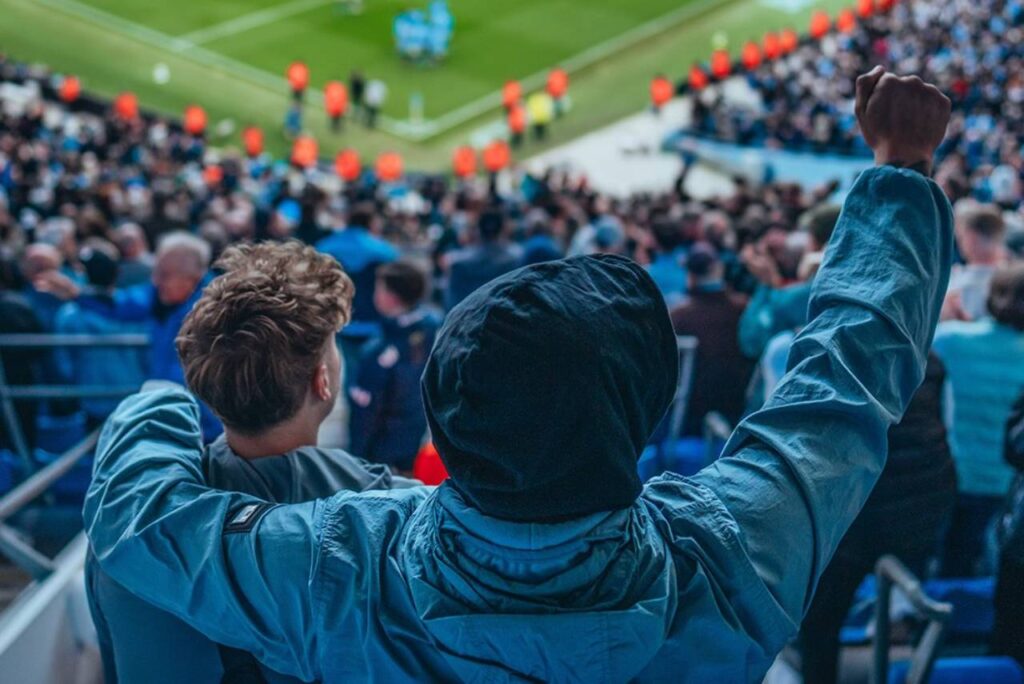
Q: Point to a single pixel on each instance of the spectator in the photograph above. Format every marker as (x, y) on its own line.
(667, 265)
(541, 391)
(20, 366)
(980, 233)
(778, 306)
(41, 267)
(360, 252)
(259, 349)
(492, 256)
(712, 314)
(985, 363)
(95, 313)
(180, 273)
(136, 267)
(1008, 630)
(904, 516)
(387, 423)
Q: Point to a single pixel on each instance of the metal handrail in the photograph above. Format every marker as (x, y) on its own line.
(37, 483)
(716, 427)
(49, 341)
(12, 545)
(890, 572)
(686, 346)
(9, 393)
(41, 392)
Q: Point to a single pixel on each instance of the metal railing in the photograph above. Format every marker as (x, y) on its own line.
(890, 572)
(39, 480)
(687, 348)
(716, 429)
(12, 393)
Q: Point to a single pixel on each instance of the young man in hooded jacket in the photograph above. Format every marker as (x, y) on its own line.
(544, 558)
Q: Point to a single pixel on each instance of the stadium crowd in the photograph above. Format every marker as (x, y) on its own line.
(108, 225)
(971, 50)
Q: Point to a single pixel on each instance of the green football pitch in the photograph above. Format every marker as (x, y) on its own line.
(230, 56)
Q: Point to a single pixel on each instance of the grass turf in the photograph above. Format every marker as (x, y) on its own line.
(235, 70)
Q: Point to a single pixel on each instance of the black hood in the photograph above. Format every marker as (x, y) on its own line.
(545, 384)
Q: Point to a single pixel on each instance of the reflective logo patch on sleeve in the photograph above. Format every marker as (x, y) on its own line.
(246, 517)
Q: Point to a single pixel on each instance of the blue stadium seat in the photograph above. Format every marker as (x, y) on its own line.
(57, 434)
(973, 614)
(995, 670)
(649, 464)
(684, 456)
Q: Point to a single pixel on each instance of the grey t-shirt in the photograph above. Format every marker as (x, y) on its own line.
(142, 643)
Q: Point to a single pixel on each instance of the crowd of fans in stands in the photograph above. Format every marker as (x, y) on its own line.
(971, 50)
(114, 226)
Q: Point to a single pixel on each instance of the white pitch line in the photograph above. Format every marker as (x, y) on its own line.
(588, 57)
(247, 22)
(414, 132)
(202, 56)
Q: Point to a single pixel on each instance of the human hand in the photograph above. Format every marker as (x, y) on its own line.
(902, 118)
(57, 284)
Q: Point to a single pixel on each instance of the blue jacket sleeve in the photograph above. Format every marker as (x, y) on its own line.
(156, 528)
(795, 474)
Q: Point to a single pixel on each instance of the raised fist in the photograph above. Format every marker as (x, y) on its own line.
(902, 118)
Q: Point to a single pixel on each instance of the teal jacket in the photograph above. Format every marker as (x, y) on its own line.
(701, 579)
(985, 372)
(770, 312)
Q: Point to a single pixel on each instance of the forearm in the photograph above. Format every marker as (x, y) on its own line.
(158, 529)
(800, 469)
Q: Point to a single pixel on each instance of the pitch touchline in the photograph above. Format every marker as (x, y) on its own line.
(186, 46)
(247, 22)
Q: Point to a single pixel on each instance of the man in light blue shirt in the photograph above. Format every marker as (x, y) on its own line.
(544, 558)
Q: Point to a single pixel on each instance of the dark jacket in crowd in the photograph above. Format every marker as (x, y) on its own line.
(21, 366)
(904, 516)
(387, 423)
(474, 266)
(721, 373)
(360, 253)
(1008, 629)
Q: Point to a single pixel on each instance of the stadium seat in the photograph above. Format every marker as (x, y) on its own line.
(995, 670)
(973, 614)
(684, 456)
(649, 464)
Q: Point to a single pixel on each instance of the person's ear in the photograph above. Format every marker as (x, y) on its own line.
(322, 383)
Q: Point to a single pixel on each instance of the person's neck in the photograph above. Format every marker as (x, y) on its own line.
(281, 439)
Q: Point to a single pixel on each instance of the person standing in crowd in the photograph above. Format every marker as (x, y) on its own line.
(387, 424)
(985, 363)
(94, 312)
(904, 516)
(980, 235)
(666, 266)
(41, 269)
(136, 265)
(712, 315)
(540, 393)
(492, 256)
(360, 251)
(259, 349)
(20, 366)
(777, 306)
(373, 100)
(1008, 627)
